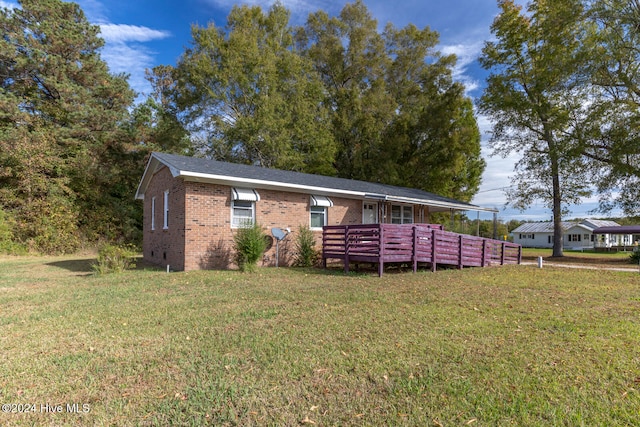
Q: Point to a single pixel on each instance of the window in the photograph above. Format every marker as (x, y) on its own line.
(243, 213)
(550, 239)
(318, 210)
(401, 214)
(166, 210)
(574, 238)
(243, 207)
(153, 213)
(318, 216)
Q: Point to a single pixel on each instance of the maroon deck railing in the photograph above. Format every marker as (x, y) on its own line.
(413, 243)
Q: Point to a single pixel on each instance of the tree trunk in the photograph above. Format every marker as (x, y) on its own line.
(557, 208)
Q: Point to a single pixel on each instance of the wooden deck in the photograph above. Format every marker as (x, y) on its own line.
(413, 243)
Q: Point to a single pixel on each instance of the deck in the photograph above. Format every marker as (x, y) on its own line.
(413, 243)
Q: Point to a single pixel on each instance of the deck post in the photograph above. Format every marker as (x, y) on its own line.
(346, 249)
(460, 252)
(519, 255)
(433, 249)
(414, 255)
(484, 252)
(381, 250)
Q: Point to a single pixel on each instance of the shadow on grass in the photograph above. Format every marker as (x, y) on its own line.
(83, 266)
(75, 265)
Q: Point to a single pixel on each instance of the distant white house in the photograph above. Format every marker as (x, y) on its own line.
(576, 235)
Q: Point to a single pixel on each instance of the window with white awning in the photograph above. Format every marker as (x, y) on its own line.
(245, 194)
(243, 207)
(322, 201)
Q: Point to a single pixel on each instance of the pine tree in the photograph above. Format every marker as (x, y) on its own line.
(59, 114)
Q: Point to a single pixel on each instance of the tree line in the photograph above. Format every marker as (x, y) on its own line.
(335, 96)
(564, 92)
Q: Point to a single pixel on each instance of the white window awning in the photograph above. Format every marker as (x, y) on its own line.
(321, 201)
(246, 194)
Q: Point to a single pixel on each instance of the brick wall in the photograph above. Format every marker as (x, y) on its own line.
(164, 246)
(209, 235)
(200, 235)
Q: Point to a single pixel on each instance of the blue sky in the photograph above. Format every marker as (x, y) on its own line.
(140, 34)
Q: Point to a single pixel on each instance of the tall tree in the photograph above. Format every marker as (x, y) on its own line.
(536, 97)
(349, 54)
(396, 113)
(251, 97)
(434, 132)
(59, 114)
(612, 139)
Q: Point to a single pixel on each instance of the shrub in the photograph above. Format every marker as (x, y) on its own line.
(306, 254)
(114, 259)
(634, 258)
(8, 245)
(250, 244)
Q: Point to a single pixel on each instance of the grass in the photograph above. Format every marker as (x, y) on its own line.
(514, 345)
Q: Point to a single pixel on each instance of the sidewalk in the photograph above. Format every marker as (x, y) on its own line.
(586, 267)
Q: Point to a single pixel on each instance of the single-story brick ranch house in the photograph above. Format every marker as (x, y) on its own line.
(192, 207)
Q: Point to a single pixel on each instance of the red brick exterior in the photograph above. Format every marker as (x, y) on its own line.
(200, 236)
(164, 246)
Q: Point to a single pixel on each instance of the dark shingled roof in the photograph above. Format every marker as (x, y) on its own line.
(194, 165)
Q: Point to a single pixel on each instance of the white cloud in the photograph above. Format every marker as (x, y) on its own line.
(132, 60)
(8, 5)
(467, 54)
(120, 33)
(125, 52)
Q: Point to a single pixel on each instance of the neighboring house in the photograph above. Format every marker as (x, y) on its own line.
(192, 207)
(576, 235)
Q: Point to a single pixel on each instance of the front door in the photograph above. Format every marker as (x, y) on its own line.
(369, 213)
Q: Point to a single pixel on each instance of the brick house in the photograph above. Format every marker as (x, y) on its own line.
(192, 207)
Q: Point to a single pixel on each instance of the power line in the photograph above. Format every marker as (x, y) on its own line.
(495, 189)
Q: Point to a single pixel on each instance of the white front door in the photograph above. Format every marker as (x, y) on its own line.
(369, 213)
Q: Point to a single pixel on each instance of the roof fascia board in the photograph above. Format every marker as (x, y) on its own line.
(146, 177)
(435, 203)
(153, 165)
(269, 185)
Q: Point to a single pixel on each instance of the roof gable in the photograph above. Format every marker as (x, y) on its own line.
(206, 170)
(592, 224)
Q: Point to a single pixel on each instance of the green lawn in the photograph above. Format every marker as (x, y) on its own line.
(512, 345)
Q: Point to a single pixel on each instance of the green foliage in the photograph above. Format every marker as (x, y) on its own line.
(612, 132)
(535, 97)
(395, 112)
(335, 97)
(253, 96)
(634, 258)
(306, 253)
(7, 243)
(249, 244)
(61, 145)
(114, 259)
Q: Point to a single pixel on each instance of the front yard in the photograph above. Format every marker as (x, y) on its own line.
(514, 345)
